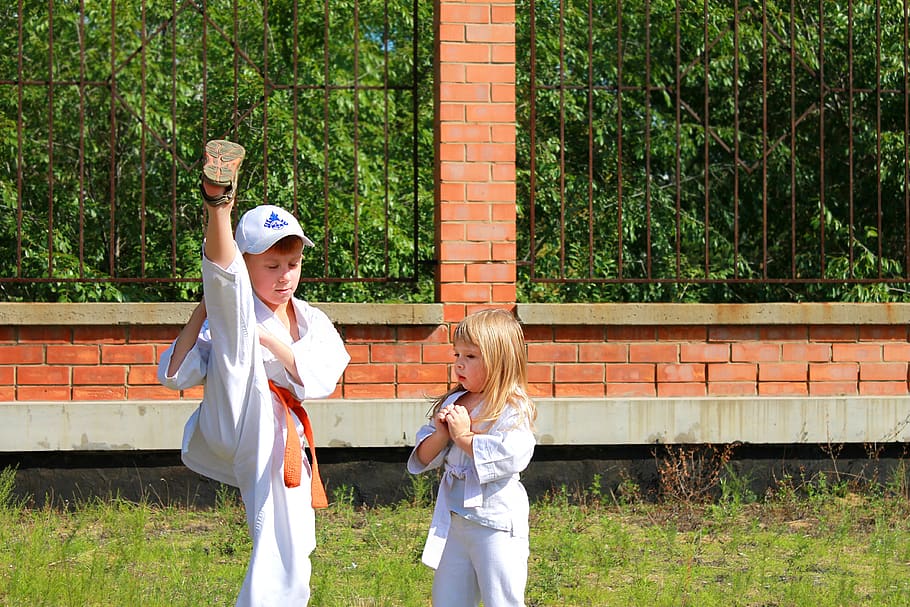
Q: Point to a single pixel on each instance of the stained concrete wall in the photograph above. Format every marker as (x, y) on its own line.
(158, 425)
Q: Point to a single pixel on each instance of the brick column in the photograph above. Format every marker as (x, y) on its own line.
(476, 156)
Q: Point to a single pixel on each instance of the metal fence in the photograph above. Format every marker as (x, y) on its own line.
(715, 150)
(105, 108)
(667, 150)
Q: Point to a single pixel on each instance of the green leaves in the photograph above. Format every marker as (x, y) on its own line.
(116, 107)
(682, 151)
(730, 147)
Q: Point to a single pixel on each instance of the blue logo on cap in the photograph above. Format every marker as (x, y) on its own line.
(274, 222)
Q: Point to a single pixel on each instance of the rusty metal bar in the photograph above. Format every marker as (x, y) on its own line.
(205, 72)
(415, 122)
(173, 143)
(878, 126)
(678, 134)
(19, 156)
(619, 152)
(793, 226)
(112, 256)
(326, 175)
(236, 59)
(764, 137)
(906, 63)
(736, 150)
(714, 281)
(532, 140)
(81, 138)
(590, 116)
(706, 113)
(356, 127)
(851, 95)
(648, 138)
(150, 280)
(385, 134)
(821, 134)
(50, 138)
(81, 161)
(143, 171)
(562, 138)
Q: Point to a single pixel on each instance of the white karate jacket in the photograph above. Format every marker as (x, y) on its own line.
(485, 489)
(237, 434)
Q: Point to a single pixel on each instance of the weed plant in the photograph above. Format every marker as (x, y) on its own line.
(807, 542)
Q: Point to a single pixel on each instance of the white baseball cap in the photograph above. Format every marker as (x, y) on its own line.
(260, 228)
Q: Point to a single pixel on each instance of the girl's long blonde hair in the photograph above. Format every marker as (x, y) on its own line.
(499, 337)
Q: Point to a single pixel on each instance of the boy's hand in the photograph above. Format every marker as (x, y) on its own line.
(266, 338)
(280, 350)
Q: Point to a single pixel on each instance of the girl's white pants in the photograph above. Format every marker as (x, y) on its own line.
(479, 563)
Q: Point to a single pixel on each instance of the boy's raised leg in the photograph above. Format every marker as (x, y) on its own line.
(229, 310)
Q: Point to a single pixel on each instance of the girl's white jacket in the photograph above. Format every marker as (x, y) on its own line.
(486, 488)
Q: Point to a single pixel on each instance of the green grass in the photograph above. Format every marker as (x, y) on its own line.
(826, 547)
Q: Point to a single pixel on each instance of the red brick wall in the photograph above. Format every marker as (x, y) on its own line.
(56, 363)
(699, 361)
(118, 363)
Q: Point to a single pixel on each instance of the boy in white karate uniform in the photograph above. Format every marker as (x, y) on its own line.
(258, 350)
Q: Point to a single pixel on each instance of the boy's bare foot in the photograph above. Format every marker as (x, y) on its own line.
(220, 169)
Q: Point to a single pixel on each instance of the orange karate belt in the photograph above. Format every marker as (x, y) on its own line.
(293, 460)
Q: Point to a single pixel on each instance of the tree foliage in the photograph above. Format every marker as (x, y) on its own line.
(713, 151)
(102, 128)
(679, 151)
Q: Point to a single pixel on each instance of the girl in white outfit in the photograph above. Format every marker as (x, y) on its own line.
(481, 433)
(257, 349)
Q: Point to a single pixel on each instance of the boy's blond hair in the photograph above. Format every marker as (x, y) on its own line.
(499, 337)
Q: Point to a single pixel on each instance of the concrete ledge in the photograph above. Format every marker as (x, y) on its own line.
(715, 314)
(177, 313)
(531, 314)
(158, 425)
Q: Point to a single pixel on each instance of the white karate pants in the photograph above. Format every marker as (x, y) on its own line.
(479, 563)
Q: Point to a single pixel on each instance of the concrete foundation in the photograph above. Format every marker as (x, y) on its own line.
(378, 476)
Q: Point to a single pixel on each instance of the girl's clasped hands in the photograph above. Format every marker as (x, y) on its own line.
(454, 418)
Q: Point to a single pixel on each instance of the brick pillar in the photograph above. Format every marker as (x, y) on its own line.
(476, 156)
